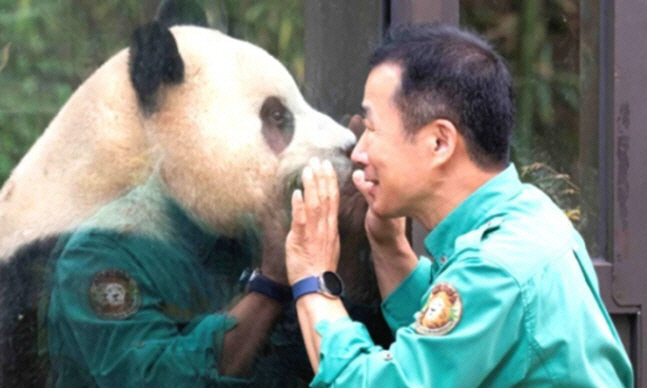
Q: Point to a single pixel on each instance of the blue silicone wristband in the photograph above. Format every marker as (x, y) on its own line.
(261, 284)
(305, 286)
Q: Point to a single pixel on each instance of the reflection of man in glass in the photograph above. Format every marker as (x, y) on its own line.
(143, 304)
(527, 311)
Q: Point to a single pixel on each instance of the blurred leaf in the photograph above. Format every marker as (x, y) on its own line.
(545, 107)
(253, 13)
(285, 34)
(299, 68)
(567, 78)
(545, 62)
(570, 96)
(573, 214)
(5, 56)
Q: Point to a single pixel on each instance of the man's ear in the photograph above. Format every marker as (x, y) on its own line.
(442, 140)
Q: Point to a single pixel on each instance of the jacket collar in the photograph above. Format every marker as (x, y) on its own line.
(473, 212)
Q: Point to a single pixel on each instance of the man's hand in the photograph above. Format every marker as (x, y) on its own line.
(381, 231)
(393, 257)
(312, 244)
(312, 247)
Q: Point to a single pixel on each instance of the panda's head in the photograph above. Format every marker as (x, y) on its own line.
(231, 126)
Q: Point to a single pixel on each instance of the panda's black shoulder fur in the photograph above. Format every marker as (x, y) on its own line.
(21, 295)
(154, 59)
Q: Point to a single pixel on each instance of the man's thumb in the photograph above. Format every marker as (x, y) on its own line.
(361, 183)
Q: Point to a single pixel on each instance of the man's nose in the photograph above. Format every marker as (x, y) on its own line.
(356, 125)
(358, 154)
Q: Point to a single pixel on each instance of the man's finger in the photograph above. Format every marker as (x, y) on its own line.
(319, 178)
(333, 193)
(319, 215)
(361, 183)
(298, 212)
(310, 192)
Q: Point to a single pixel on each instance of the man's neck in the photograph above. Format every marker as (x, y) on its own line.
(453, 188)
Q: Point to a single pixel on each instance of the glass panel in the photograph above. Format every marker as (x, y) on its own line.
(552, 50)
(47, 48)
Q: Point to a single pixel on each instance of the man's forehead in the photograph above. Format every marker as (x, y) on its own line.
(381, 85)
(387, 72)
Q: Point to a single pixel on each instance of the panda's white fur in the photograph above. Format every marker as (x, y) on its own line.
(93, 151)
(204, 136)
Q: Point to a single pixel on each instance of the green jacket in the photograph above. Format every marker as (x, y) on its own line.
(509, 297)
(135, 298)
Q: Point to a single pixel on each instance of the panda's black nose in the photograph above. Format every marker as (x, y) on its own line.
(348, 150)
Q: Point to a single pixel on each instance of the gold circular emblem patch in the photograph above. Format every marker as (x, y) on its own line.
(442, 311)
(114, 294)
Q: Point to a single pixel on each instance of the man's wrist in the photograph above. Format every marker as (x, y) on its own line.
(327, 283)
(318, 307)
(257, 282)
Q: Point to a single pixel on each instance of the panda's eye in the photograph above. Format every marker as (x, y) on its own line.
(278, 117)
(278, 124)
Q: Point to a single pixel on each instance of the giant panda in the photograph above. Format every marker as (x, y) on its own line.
(219, 122)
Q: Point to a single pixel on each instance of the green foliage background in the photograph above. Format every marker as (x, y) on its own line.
(541, 42)
(48, 47)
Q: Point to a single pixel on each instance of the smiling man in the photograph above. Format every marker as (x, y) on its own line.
(509, 294)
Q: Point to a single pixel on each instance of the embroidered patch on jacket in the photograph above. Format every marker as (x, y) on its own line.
(114, 294)
(442, 311)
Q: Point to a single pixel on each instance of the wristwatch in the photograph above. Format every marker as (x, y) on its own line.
(262, 284)
(327, 283)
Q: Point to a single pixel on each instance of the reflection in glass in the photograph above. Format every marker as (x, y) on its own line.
(551, 49)
(48, 48)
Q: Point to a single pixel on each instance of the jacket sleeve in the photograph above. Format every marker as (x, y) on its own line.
(489, 327)
(146, 348)
(398, 307)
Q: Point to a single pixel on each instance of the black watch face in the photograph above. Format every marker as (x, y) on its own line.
(332, 282)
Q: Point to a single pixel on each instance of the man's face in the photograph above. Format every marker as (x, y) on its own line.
(392, 160)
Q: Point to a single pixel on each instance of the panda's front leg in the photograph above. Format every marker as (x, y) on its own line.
(275, 225)
(255, 314)
(259, 309)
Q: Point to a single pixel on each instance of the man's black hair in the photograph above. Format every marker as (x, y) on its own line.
(453, 74)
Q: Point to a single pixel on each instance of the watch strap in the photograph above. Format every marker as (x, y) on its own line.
(280, 292)
(304, 286)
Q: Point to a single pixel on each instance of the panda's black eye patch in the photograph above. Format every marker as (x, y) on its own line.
(278, 124)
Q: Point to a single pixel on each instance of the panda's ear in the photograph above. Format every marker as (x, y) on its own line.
(154, 60)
